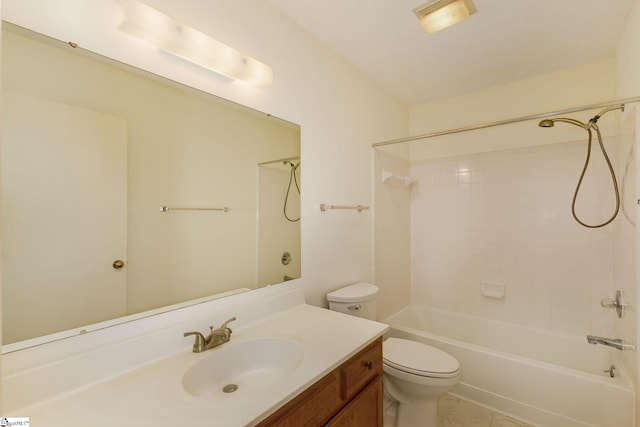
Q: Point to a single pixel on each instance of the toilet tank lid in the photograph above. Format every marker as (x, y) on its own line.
(357, 292)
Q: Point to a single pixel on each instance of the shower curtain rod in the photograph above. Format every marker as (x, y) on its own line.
(506, 122)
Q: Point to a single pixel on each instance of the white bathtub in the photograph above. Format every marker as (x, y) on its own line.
(544, 378)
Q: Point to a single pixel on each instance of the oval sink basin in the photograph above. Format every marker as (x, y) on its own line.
(239, 368)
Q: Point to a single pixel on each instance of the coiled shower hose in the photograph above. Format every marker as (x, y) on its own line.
(584, 171)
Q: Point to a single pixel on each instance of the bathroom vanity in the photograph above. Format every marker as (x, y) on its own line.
(293, 364)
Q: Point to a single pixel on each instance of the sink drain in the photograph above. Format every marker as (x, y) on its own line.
(229, 388)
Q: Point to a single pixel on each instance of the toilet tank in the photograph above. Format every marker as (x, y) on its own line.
(359, 299)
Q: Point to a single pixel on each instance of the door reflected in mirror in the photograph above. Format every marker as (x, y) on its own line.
(122, 192)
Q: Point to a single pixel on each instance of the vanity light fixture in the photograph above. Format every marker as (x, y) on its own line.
(440, 14)
(179, 39)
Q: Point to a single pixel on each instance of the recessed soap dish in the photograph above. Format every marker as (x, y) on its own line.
(492, 290)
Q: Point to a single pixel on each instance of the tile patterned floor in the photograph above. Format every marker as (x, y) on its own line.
(454, 412)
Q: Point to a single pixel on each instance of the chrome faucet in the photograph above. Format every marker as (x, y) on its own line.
(215, 338)
(611, 342)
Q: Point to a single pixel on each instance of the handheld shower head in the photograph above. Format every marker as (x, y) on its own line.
(549, 123)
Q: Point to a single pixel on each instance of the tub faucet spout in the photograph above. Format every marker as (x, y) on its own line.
(611, 342)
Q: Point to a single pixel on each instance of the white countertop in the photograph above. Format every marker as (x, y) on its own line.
(152, 395)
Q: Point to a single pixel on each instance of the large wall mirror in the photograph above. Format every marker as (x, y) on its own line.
(124, 193)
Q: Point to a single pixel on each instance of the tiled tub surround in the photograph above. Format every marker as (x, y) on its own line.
(505, 218)
(135, 379)
(546, 378)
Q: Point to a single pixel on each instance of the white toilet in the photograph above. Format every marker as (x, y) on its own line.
(415, 374)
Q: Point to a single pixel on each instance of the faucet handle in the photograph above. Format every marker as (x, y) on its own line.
(224, 325)
(619, 303)
(199, 344)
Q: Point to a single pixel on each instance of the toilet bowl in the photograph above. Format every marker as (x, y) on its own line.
(415, 374)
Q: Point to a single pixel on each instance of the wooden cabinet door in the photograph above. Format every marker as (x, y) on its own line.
(365, 410)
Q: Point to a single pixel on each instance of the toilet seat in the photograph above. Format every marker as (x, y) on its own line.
(420, 359)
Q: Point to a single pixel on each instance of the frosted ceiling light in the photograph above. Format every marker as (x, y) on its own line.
(440, 14)
(179, 39)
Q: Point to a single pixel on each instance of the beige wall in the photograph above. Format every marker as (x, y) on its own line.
(628, 56)
(573, 87)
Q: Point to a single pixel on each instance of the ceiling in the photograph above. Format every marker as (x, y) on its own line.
(506, 40)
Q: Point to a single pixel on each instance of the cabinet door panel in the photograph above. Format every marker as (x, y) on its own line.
(365, 410)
